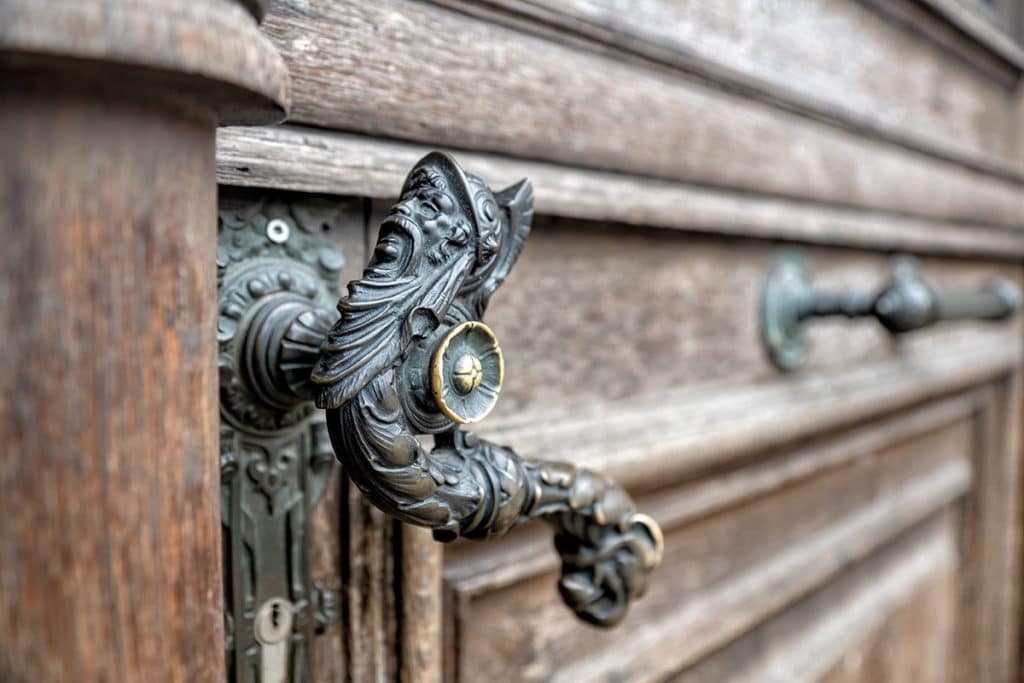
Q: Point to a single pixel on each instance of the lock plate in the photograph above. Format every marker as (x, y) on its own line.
(275, 260)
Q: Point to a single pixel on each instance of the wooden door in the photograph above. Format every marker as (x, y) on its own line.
(857, 518)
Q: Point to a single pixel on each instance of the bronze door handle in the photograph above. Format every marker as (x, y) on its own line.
(906, 303)
(410, 355)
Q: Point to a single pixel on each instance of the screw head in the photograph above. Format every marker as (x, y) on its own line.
(278, 231)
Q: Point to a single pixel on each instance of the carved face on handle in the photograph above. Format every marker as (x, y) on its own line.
(426, 223)
(449, 240)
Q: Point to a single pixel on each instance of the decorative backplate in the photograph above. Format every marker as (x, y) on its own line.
(782, 333)
(277, 277)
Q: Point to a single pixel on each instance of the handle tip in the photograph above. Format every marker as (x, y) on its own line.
(1009, 294)
(600, 581)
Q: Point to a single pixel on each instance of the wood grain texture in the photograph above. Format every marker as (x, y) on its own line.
(983, 619)
(889, 619)
(991, 540)
(827, 59)
(371, 584)
(312, 160)
(689, 497)
(337, 539)
(722, 420)
(428, 74)
(971, 22)
(422, 591)
(723, 575)
(922, 641)
(590, 315)
(210, 52)
(110, 537)
(670, 436)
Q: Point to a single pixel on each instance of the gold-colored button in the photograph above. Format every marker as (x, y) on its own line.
(466, 372)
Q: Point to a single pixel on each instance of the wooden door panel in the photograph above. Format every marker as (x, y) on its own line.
(855, 521)
(315, 160)
(890, 618)
(727, 573)
(776, 492)
(828, 56)
(595, 313)
(552, 100)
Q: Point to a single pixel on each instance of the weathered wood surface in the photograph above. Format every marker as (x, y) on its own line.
(970, 19)
(723, 575)
(889, 619)
(689, 496)
(313, 160)
(347, 537)
(739, 431)
(856, 521)
(421, 72)
(670, 435)
(371, 590)
(110, 533)
(829, 59)
(592, 315)
(422, 617)
(992, 540)
(208, 52)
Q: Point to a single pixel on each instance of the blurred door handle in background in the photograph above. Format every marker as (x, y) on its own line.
(409, 355)
(905, 304)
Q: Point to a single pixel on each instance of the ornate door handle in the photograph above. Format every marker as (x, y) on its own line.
(905, 304)
(410, 356)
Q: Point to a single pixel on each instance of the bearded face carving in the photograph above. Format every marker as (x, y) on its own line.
(426, 223)
(448, 239)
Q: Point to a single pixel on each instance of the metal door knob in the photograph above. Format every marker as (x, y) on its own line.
(789, 302)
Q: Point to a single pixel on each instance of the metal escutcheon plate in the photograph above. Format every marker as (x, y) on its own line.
(782, 333)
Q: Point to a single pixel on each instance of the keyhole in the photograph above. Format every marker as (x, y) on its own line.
(273, 621)
(275, 616)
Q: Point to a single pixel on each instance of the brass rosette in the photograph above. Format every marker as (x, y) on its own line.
(466, 372)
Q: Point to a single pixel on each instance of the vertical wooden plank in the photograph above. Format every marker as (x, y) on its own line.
(388, 574)
(1003, 528)
(329, 519)
(369, 599)
(109, 541)
(990, 544)
(422, 564)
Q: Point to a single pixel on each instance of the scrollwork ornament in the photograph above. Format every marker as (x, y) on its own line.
(410, 355)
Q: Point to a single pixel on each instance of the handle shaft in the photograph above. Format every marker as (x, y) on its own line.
(998, 300)
(819, 304)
